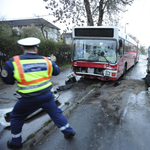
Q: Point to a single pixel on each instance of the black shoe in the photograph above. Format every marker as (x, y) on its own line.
(70, 135)
(9, 145)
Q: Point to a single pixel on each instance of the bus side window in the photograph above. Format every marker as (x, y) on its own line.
(126, 47)
(130, 48)
(121, 47)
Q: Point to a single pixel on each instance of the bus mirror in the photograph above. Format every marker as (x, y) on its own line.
(118, 50)
(120, 43)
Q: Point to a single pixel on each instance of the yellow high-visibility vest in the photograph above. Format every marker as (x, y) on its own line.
(32, 74)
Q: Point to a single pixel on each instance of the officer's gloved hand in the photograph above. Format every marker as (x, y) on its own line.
(53, 58)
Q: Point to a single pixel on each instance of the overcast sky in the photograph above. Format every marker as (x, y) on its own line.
(137, 16)
(138, 19)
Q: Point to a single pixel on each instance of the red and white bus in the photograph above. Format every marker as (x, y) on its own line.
(102, 52)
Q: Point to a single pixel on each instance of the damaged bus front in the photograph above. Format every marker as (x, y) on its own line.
(98, 52)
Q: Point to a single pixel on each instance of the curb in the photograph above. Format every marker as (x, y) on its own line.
(45, 130)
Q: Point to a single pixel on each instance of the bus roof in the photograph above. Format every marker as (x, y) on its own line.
(107, 32)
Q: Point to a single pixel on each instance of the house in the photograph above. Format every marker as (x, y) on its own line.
(68, 37)
(48, 30)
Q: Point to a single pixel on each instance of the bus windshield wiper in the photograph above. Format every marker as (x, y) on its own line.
(102, 54)
(79, 59)
(86, 60)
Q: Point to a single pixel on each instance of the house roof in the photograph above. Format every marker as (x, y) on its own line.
(27, 22)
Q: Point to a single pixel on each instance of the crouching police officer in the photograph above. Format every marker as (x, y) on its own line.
(33, 74)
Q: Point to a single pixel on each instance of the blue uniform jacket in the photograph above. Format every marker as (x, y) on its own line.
(10, 70)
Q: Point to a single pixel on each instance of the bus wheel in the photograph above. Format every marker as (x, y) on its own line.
(134, 62)
(137, 59)
(124, 70)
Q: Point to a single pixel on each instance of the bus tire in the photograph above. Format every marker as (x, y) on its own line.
(137, 60)
(124, 70)
(134, 62)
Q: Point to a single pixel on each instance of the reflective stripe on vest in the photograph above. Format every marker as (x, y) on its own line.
(33, 86)
(21, 72)
(32, 75)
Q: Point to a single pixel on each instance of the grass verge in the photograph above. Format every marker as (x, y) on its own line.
(93, 86)
(65, 66)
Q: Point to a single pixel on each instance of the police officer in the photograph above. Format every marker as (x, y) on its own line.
(33, 75)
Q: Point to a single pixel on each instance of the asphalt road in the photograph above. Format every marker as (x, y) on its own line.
(98, 131)
(109, 124)
(36, 123)
(96, 126)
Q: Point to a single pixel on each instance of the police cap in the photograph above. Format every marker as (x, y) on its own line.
(30, 41)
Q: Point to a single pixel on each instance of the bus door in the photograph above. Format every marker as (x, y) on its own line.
(120, 56)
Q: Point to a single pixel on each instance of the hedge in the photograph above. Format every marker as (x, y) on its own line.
(10, 48)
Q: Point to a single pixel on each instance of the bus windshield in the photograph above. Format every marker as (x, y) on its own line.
(94, 50)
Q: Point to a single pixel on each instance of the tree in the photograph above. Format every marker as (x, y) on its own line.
(42, 24)
(142, 49)
(63, 40)
(5, 29)
(30, 31)
(8, 44)
(98, 12)
(15, 32)
(45, 28)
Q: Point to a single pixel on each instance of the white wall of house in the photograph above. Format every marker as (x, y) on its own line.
(68, 40)
(52, 33)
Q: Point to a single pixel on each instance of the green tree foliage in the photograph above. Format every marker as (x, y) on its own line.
(30, 31)
(9, 47)
(87, 12)
(46, 47)
(142, 49)
(63, 40)
(62, 51)
(8, 44)
(5, 29)
(15, 32)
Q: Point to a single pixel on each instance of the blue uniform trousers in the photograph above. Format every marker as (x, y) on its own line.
(26, 106)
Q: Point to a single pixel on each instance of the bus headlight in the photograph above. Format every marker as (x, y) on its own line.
(107, 73)
(110, 73)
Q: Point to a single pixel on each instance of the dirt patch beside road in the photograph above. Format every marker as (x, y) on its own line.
(113, 99)
(110, 92)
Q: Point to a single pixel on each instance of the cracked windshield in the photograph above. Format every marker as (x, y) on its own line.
(95, 50)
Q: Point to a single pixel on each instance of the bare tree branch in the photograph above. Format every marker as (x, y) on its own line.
(91, 12)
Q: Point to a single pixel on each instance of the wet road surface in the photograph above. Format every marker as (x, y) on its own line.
(99, 129)
(105, 122)
(8, 100)
(95, 128)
